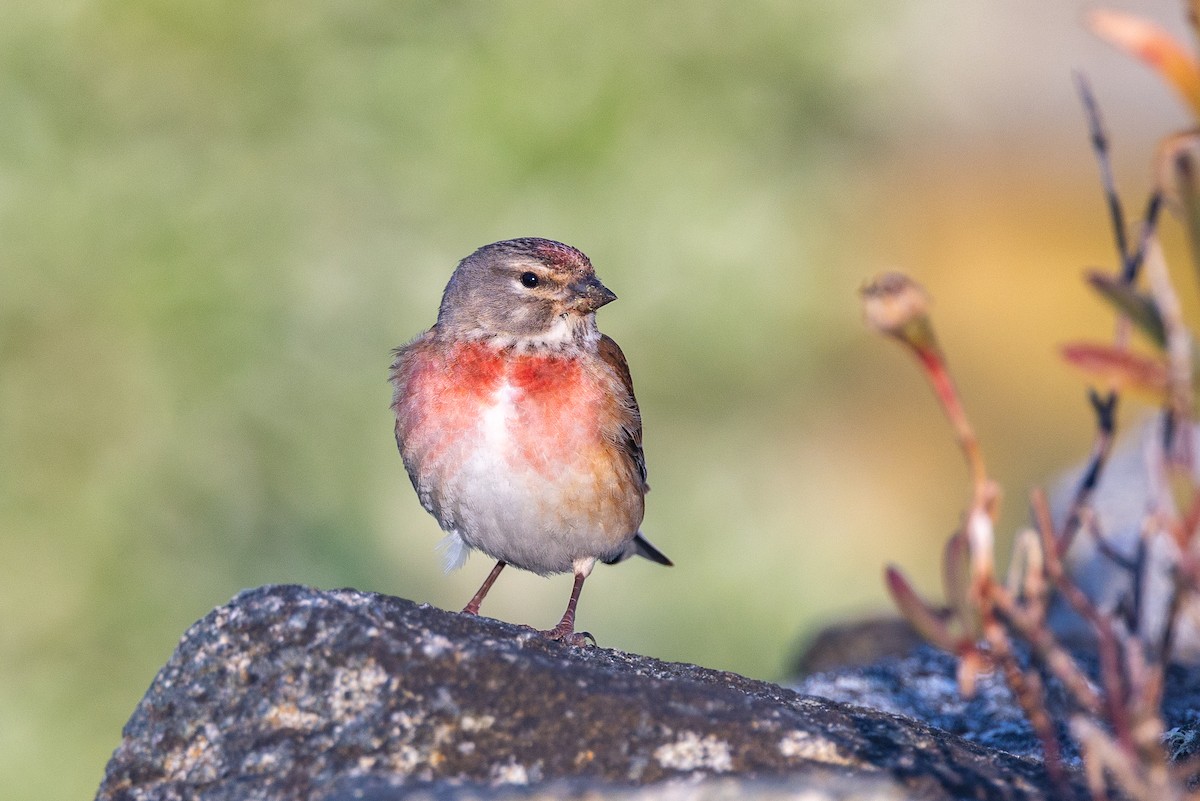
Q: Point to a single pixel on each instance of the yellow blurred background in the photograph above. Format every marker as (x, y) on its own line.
(217, 217)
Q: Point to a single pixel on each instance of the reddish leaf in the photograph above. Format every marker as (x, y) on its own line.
(1119, 368)
(1147, 41)
(957, 580)
(924, 619)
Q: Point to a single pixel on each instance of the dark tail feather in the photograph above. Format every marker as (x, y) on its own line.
(644, 548)
(639, 546)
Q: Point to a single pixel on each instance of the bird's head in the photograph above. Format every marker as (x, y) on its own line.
(529, 291)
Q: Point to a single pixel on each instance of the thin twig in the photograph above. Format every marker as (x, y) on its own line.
(1050, 651)
(1179, 359)
(1111, 673)
(1106, 548)
(1140, 567)
(1167, 641)
(1106, 421)
(1030, 693)
(1185, 174)
(1102, 756)
(943, 386)
(1149, 229)
(1100, 148)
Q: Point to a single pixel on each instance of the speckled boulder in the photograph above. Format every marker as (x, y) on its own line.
(293, 693)
(919, 683)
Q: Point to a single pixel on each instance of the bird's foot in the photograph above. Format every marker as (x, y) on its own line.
(568, 636)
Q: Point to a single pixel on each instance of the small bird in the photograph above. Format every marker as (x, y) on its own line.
(517, 423)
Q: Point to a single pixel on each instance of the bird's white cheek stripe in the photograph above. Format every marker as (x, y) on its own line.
(567, 329)
(561, 331)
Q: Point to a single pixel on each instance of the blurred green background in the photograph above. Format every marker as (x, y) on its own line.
(217, 217)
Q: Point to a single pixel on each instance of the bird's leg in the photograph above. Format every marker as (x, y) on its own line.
(565, 630)
(472, 608)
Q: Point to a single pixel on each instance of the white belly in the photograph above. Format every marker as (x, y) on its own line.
(509, 508)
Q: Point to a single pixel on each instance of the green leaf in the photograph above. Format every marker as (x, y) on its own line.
(1138, 307)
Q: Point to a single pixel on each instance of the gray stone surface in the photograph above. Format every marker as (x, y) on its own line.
(921, 685)
(293, 693)
(810, 787)
(856, 643)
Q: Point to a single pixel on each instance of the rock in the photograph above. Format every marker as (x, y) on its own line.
(806, 788)
(293, 693)
(856, 643)
(921, 685)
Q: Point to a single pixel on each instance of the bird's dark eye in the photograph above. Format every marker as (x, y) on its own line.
(529, 280)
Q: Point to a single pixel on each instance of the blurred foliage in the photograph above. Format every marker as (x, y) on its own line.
(216, 218)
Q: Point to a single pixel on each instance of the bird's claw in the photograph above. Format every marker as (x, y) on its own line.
(579, 639)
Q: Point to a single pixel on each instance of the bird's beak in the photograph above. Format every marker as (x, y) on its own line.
(590, 294)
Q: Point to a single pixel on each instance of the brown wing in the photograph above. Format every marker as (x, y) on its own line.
(611, 353)
(404, 361)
